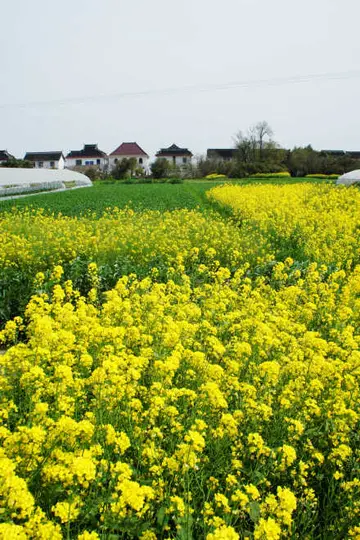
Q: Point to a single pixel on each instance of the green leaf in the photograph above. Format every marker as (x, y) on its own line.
(254, 511)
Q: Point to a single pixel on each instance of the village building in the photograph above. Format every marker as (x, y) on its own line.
(175, 155)
(5, 156)
(130, 150)
(89, 156)
(46, 160)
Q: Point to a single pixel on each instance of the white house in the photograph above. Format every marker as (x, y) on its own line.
(46, 160)
(175, 155)
(89, 156)
(130, 150)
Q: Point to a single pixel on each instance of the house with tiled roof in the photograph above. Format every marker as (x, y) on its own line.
(175, 155)
(89, 156)
(5, 156)
(129, 150)
(46, 160)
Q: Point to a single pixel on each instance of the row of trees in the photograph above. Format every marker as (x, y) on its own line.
(17, 163)
(257, 152)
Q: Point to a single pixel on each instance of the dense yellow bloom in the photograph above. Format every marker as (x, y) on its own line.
(267, 529)
(212, 391)
(223, 533)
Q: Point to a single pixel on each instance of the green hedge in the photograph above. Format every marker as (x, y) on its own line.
(284, 174)
(323, 176)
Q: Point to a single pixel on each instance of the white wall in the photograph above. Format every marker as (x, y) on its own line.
(71, 162)
(144, 164)
(60, 164)
(178, 160)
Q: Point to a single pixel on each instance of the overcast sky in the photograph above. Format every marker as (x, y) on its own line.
(69, 49)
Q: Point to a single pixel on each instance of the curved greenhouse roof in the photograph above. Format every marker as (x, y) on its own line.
(16, 181)
(349, 178)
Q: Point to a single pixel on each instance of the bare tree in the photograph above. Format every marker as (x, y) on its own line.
(251, 146)
(260, 131)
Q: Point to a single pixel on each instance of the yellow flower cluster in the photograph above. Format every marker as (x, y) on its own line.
(305, 221)
(119, 242)
(177, 407)
(221, 401)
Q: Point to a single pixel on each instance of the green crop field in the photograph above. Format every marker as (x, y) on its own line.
(101, 196)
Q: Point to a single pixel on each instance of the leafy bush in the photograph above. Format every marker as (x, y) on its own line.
(159, 168)
(215, 176)
(17, 163)
(175, 181)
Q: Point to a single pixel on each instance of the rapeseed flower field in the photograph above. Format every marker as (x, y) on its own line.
(208, 389)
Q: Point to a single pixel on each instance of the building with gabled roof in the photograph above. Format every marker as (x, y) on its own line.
(175, 155)
(89, 156)
(5, 156)
(46, 160)
(129, 150)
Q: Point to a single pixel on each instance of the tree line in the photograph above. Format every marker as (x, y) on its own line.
(255, 151)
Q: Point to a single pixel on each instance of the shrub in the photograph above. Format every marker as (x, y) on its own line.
(175, 181)
(321, 176)
(215, 176)
(17, 163)
(283, 174)
(159, 168)
(121, 169)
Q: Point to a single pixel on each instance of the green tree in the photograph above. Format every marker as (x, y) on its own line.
(122, 169)
(17, 164)
(159, 168)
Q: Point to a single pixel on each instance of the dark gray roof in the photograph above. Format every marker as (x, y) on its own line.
(333, 152)
(221, 153)
(5, 156)
(89, 150)
(353, 154)
(43, 156)
(173, 150)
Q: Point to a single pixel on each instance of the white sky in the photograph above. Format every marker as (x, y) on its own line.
(78, 48)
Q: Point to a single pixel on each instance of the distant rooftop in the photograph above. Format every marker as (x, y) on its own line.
(5, 156)
(173, 150)
(89, 151)
(43, 156)
(355, 154)
(129, 149)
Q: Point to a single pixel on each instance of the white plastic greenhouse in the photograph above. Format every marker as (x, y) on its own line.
(349, 178)
(16, 182)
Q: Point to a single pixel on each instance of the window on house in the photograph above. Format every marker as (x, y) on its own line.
(78, 162)
(174, 160)
(41, 164)
(141, 161)
(52, 164)
(89, 163)
(116, 160)
(98, 162)
(184, 160)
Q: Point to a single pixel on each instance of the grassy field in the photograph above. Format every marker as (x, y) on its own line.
(101, 196)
